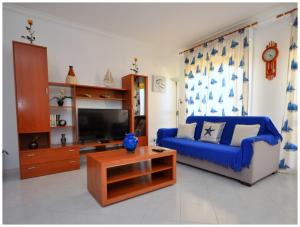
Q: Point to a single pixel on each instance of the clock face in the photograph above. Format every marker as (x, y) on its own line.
(269, 54)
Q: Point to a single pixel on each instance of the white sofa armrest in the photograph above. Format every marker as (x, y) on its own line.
(265, 160)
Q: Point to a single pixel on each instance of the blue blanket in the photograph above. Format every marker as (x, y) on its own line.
(222, 154)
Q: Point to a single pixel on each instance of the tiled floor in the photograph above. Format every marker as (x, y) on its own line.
(198, 197)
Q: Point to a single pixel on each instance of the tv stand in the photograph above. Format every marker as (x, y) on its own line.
(103, 141)
(98, 146)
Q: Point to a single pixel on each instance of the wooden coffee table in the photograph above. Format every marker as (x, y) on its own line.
(113, 176)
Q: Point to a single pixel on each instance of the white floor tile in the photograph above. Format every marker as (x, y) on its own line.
(198, 197)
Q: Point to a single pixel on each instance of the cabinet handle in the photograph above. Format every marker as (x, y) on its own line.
(46, 91)
(73, 161)
(32, 167)
(30, 155)
(71, 150)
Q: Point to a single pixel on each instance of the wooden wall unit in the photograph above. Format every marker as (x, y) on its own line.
(137, 86)
(32, 103)
(33, 112)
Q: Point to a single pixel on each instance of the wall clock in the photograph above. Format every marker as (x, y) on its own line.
(269, 56)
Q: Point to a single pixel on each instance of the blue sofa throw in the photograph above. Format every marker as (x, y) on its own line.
(221, 154)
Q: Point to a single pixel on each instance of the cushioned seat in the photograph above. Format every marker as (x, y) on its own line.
(225, 155)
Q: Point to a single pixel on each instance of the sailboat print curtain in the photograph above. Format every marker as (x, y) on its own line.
(289, 130)
(216, 77)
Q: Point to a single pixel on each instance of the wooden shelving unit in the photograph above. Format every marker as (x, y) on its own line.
(136, 185)
(118, 175)
(32, 87)
(95, 98)
(62, 107)
(136, 101)
(58, 84)
(84, 92)
(62, 127)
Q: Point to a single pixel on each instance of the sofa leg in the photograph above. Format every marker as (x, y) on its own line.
(245, 183)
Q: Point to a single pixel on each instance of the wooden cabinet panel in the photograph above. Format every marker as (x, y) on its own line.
(48, 155)
(35, 170)
(128, 82)
(143, 141)
(31, 84)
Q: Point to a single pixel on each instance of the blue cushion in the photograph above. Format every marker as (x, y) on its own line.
(225, 155)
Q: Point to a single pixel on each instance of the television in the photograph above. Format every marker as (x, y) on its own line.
(102, 124)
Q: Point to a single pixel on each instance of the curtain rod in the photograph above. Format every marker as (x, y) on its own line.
(247, 26)
(286, 13)
(229, 33)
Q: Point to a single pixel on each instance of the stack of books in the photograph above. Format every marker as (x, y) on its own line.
(54, 120)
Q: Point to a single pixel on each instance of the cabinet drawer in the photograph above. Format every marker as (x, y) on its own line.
(35, 170)
(56, 154)
(48, 155)
(34, 156)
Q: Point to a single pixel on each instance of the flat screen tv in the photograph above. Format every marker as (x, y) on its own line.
(102, 124)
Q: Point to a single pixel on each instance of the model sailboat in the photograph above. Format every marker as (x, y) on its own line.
(108, 79)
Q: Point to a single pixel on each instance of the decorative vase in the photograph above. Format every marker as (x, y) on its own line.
(130, 142)
(71, 77)
(63, 139)
(60, 102)
(108, 79)
(62, 122)
(34, 144)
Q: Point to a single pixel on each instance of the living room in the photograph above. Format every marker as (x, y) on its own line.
(156, 115)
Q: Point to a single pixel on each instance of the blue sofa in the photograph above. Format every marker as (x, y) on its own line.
(257, 157)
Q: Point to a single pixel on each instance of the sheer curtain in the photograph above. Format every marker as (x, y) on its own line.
(217, 77)
(289, 129)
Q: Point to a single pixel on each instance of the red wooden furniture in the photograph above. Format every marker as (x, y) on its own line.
(117, 175)
(32, 102)
(33, 112)
(137, 85)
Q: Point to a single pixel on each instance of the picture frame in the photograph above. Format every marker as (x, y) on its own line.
(158, 84)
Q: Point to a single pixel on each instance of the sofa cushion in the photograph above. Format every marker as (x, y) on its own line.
(225, 155)
(242, 132)
(186, 131)
(266, 126)
(211, 132)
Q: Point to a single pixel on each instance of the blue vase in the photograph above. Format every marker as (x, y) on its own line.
(130, 142)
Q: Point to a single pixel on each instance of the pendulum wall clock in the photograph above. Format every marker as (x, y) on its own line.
(269, 56)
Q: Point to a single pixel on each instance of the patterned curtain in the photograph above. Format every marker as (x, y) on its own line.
(216, 77)
(289, 129)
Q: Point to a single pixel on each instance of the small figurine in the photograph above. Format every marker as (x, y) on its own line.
(29, 37)
(108, 79)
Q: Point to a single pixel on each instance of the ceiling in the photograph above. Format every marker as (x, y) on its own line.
(177, 25)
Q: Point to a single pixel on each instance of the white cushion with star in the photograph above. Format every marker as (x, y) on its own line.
(212, 131)
(243, 131)
(186, 131)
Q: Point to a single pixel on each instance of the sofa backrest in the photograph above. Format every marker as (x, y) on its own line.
(231, 121)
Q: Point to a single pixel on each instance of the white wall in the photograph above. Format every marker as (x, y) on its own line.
(268, 96)
(91, 53)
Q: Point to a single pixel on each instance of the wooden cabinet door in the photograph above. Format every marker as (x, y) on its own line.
(31, 84)
(127, 82)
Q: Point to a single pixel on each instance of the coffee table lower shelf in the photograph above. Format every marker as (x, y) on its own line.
(136, 188)
(113, 183)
